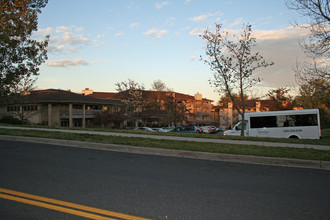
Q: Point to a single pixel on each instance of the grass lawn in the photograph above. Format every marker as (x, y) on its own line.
(296, 153)
(325, 140)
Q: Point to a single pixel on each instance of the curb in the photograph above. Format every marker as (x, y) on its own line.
(314, 164)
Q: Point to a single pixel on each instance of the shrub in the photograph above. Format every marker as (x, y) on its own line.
(10, 120)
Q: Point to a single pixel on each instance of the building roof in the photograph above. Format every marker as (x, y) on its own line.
(62, 96)
(264, 103)
(103, 95)
(146, 94)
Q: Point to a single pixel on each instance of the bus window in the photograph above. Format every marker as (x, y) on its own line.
(264, 122)
(284, 121)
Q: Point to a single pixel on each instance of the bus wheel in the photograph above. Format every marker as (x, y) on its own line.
(293, 137)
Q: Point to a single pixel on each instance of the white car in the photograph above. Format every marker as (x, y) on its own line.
(143, 129)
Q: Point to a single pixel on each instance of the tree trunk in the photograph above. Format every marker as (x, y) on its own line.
(243, 125)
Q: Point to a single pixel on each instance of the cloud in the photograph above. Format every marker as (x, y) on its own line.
(62, 29)
(160, 5)
(286, 33)
(197, 31)
(199, 18)
(60, 47)
(134, 25)
(133, 5)
(170, 20)
(74, 39)
(203, 17)
(237, 21)
(63, 39)
(187, 1)
(281, 46)
(119, 33)
(156, 33)
(41, 33)
(66, 63)
(192, 58)
(79, 29)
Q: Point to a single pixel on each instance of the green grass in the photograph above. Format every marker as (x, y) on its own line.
(324, 141)
(296, 153)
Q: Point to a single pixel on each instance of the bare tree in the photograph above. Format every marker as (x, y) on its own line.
(233, 62)
(176, 111)
(20, 97)
(131, 93)
(159, 85)
(309, 72)
(318, 13)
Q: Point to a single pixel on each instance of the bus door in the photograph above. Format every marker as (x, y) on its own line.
(238, 127)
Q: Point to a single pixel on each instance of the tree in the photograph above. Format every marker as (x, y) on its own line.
(318, 12)
(317, 45)
(316, 94)
(308, 72)
(107, 117)
(131, 93)
(20, 55)
(20, 98)
(282, 100)
(224, 99)
(233, 62)
(176, 110)
(159, 85)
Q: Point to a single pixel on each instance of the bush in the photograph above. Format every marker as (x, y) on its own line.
(10, 120)
(325, 119)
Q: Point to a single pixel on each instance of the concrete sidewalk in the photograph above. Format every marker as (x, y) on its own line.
(202, 140)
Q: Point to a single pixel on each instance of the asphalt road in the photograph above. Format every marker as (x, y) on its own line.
(158, 187)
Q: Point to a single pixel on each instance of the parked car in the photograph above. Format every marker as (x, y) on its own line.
(167, 129)
(207, 130)
(186, 129)
(213, 129)
(220, 129)
(159, 130)
(143, 129)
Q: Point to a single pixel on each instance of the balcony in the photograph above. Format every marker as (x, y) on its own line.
(77, 113)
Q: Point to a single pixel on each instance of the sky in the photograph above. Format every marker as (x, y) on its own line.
(96, 44)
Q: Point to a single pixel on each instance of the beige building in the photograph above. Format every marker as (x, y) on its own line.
(58, 108)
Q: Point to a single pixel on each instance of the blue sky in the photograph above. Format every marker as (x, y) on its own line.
(95, 44)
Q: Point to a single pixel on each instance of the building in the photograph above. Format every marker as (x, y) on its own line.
(58, 108)
(153, 107)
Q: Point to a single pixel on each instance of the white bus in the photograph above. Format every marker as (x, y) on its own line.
(302, 124)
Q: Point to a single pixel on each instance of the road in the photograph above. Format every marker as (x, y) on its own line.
(157, 187)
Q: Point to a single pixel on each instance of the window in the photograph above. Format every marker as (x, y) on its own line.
(13, 108)
(239, 126)
(263, 122)
(284, 121)
(28, 108)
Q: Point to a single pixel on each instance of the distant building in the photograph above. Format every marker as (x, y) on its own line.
(197, 108)
(59, 108)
